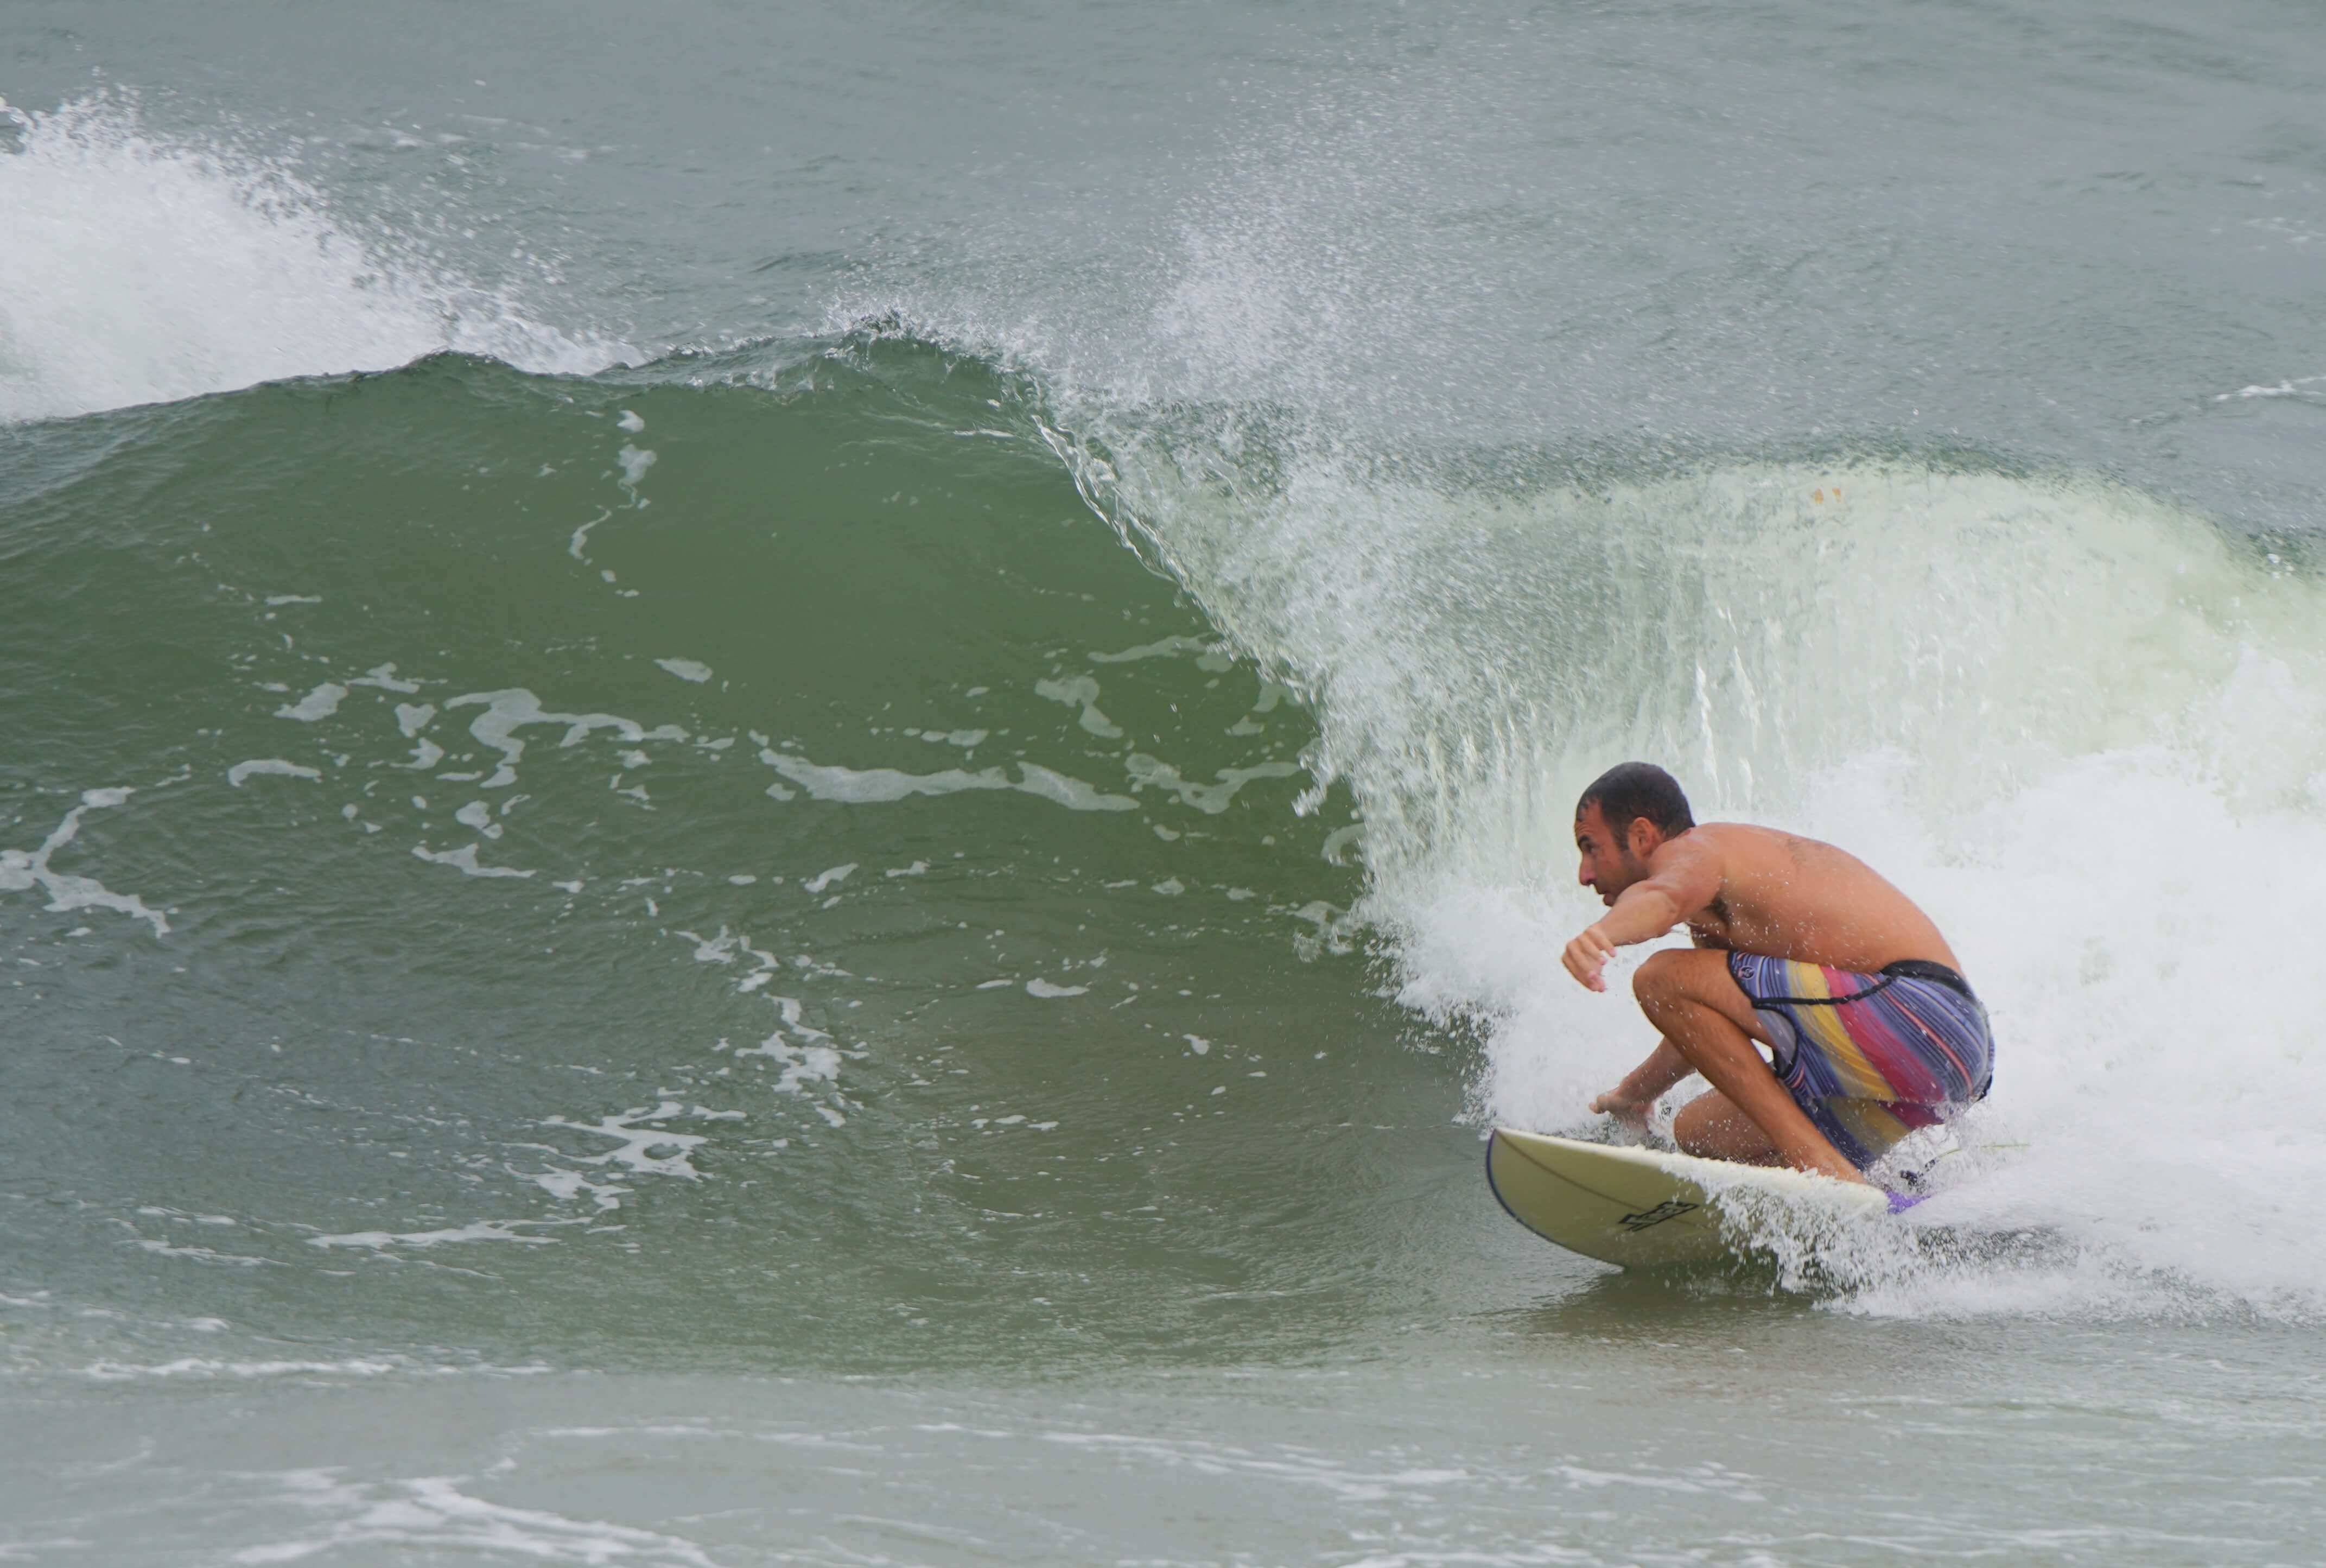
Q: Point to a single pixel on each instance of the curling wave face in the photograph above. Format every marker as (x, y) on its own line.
(559, 852)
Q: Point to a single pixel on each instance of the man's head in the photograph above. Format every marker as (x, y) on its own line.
(1622, 816)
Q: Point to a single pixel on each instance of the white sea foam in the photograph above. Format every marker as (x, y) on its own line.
(21, 870)
(481, 1230)
(1080, 691)
(879, 785)
(319, 704)
(567, 1185)
(275, 766)
(805, 1053)
(464, 860)
(201, 1254)
(510, 710)
(208, 1368)
(1151, 772)
(801, 1065)
(479, 816)
(1071, 793)
(136, 267)
(1170, 646)
(430, 1515)
(582, 536)
(1410, 1484)
(385, 678)
(639, 1138)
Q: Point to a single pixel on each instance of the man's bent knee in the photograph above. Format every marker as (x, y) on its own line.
(1673, 979)
(1712, 1127)
(1658, 978)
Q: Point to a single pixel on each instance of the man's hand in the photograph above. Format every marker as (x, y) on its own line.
(1632, 1113)
(1633, 1100)
(1587, 955)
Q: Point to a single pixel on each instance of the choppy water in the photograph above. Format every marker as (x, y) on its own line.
(787, 786)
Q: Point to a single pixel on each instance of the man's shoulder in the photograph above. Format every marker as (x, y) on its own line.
(1746, 835)
(1744, 849)
(1725, 838)
(1744, 830)
(1706, 844)
(1741, 846)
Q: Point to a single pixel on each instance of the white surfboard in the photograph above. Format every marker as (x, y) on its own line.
(1641, 1207)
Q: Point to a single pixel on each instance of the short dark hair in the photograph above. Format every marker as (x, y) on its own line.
(1634, 789)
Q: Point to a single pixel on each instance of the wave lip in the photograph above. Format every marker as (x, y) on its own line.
(138, 269)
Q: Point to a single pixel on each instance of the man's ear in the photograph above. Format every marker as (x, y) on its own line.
(1641, 838)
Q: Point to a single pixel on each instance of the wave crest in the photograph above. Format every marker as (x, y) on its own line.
(138, 269)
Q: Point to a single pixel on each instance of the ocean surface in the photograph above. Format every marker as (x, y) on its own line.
(787, 783)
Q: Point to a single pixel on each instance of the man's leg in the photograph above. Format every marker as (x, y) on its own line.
(1691, 997)
(1710, 1126)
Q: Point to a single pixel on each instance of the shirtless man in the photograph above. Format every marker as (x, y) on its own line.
(1800, 948)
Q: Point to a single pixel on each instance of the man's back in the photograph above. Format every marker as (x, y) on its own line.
(1791, 897)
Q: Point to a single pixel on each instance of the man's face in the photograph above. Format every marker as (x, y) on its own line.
(1609, 867)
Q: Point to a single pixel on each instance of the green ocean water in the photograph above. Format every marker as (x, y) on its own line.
(789, 784)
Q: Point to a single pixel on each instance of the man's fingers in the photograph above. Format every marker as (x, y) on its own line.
(1585, 957)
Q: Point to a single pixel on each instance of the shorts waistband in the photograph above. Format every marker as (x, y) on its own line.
(1925, 969)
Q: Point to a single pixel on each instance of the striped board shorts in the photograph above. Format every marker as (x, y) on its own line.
(1871, 1057)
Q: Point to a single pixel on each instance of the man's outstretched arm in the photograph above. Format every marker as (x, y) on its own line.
(1686, 877)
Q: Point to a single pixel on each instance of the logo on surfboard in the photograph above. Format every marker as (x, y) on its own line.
(1670, 1208)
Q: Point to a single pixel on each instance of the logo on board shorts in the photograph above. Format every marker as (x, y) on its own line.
(1670, 1208)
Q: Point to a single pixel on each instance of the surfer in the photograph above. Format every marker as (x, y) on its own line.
(1802, 947)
